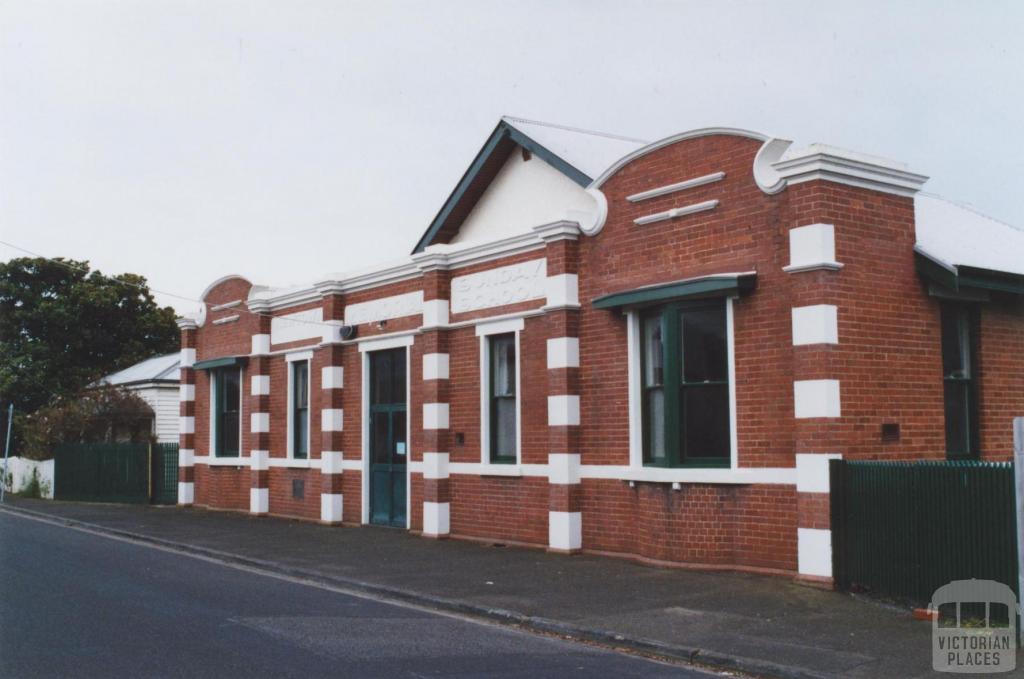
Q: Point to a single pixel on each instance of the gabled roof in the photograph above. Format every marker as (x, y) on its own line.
(156, 369)
(964, 248)
(581, 155)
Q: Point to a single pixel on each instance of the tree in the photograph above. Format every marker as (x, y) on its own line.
(63, 327)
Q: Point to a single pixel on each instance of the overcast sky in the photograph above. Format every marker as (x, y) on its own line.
(283, 140)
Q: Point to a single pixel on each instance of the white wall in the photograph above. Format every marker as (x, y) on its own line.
(20, 471)
(164, 402)
(524, 194)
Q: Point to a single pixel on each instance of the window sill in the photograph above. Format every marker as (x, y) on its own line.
(722, 475)
(500, 469)
(292, 463)
(225, 461)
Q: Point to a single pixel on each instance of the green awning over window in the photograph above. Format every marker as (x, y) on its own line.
(701, 287)
(226, 362)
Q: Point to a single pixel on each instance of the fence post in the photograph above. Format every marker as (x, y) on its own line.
(1018, 473)
(7, 450)
(149, 474)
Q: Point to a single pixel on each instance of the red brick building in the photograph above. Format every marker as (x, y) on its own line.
(638, 349)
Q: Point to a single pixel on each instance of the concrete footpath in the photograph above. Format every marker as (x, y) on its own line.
(757, 624)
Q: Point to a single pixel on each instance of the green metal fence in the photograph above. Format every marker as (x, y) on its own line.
(102, 472)
(903, 529)
(165, 474)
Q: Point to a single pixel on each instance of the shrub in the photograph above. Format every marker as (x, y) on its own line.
(100, 414)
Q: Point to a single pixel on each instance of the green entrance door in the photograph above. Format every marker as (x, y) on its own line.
(388, 446)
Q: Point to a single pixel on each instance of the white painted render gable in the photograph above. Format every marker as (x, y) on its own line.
(959, 236)
(524, 194)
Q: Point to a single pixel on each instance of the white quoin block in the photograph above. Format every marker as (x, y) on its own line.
(816, 398)
(563, 290)
(435, 366)
(435, 313)
(186, 492)
(331, 507)
(436, 518)
(814, 551)
(188, 358)
(187, 392)
(332, 332)
(332, 462)
(186, 424)
(435, 415)
(260, 344)
(260, 385)
(259, 460)
(563, 352)
(435, 465)
(812, 247)
(332, 377)
(332, 419)
(564, 468)
(186, 457)
(817, 324)
(812, 471)
(259, 423)
(259, 500)
(563, 410)
(565, 530)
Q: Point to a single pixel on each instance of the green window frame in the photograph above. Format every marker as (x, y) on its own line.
(300, 409)
(502, 398)
(227, 410)
(959, 380)
(685, 385)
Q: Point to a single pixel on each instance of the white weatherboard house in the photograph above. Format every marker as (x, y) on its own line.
(156, 380)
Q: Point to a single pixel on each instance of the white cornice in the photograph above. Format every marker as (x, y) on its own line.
(819, 161)
(556, 231)
(186, 323)
(435, 257)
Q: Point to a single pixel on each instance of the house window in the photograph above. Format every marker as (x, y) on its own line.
(227, 407)
(958, 377)
(685, 385)
(503, 407)
(300, 409)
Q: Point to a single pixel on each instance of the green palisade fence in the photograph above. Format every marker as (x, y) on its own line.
(102, 472)
(903, 529)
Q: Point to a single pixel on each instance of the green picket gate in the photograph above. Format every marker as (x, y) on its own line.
(135, 473)
(165, 474)
(903, 529)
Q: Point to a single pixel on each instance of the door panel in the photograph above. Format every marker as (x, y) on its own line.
(388, 449)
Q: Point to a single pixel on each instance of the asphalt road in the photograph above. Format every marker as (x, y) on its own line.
(76, 604)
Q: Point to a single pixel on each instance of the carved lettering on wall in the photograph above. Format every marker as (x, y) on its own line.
(396, 306)
(501, 286)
